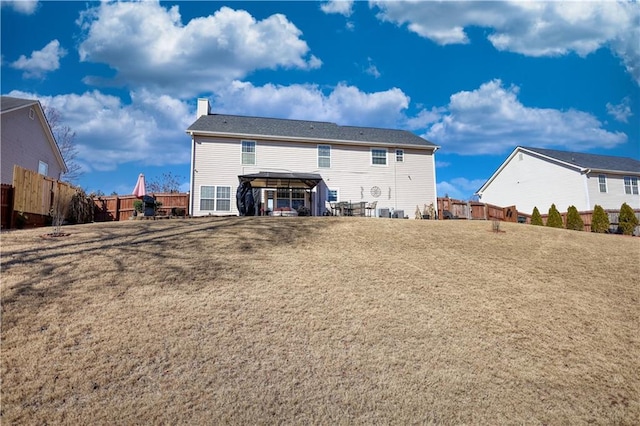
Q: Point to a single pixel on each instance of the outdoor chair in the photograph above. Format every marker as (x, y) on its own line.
(371, 207)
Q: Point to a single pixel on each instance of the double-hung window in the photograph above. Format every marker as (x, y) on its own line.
(631, 185)
(378, 157)
(602, 183)
(324, 156)
(249, 152)
(215, 198)
(400, 155)
(332, 195)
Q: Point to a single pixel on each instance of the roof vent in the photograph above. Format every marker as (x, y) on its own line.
(361, 132)
(311, 127)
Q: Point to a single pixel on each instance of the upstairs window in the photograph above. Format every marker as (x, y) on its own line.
(43, 168)
(631, 185)
(249, 152)
(400, 155)
(324, 156)
(602, 182)
(378, 157)
(332, 195)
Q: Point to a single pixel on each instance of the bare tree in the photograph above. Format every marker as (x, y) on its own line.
(65, 137)
(168, 182)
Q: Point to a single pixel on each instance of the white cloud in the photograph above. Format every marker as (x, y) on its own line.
(149, 131)
(149, 46)
(622, 111)
(529, 28)
(26, 7)
(41, 61)
(372, 69)
(491, 120)
(344, 104)
(341, 7)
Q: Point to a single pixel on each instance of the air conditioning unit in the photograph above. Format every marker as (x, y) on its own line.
(398, 214)
(383, 212)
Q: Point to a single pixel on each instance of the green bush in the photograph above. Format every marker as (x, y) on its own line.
(627, 221)
(555, 219)
(574, 221)
(536, 218)
(138, 205)
(600, 220)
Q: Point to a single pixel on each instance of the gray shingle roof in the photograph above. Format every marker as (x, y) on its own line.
(302, 129)
(591, 161)
(7, 103)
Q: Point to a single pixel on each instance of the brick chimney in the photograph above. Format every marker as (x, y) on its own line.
(203, 107)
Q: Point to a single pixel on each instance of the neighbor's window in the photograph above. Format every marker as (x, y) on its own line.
(43, 168)
(631, 185)
(602, 182)
(332, 195)
(215, 198)
(324, 156)
(248, 152)
(379, 156)
(400, 155)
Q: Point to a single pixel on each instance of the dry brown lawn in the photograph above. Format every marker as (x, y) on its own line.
(319, 321)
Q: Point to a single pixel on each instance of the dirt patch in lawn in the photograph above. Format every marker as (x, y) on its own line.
(319, 320)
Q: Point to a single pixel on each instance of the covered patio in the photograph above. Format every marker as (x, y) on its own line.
(278, 191)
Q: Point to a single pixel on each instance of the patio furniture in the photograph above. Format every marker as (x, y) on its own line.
(371, 207)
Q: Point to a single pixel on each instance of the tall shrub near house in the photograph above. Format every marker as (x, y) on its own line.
(536, 218)
(574, 221)
(599, 220)
(627, 221)
(555, 219)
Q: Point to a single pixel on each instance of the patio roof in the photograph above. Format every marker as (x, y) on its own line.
(281, 179)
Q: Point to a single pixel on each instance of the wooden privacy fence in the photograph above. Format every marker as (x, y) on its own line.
(31, 197)
(450, 208)
(120, 207)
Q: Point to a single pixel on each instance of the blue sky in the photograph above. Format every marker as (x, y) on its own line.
(476, 78)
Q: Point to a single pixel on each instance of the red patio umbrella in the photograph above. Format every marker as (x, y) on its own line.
(140, 190)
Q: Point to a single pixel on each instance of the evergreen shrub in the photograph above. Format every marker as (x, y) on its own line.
(574, 221)
(536, 218)
(599, 220)
(627, 221)
(555, 218)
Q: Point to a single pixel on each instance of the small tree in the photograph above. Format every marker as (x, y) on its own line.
(627, 221)
(168, 182)
(599, 220)
(555, 219)
(536, 218)
(574, 221)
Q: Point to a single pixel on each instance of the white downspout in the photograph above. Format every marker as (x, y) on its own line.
(192, 173)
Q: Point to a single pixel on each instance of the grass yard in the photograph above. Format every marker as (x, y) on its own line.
(319, 320)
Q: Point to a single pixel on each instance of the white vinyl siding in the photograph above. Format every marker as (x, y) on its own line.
(378, 157)
(249, 152)
(401, 188)
(631, 185)
(324, 156)
(602, 183)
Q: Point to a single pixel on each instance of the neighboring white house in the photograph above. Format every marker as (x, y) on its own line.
(306, 163)
(26, 140)
(533, 177)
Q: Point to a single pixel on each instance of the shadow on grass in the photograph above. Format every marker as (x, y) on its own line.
(187, 253)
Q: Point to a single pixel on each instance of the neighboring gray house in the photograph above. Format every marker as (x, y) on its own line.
(306, 163)
(26, 140)
(534, 177)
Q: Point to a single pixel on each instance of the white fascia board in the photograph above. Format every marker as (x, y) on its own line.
(555, 160)
(433, 148)
(52, 140)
